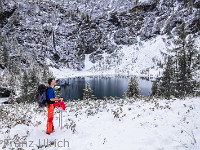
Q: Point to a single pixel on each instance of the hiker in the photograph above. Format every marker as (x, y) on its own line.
(51, 100)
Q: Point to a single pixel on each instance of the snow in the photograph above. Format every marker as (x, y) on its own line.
(140, 59)
(144, 1)
(160, 124)
(88, 63)
(123, 63)
(3, 99)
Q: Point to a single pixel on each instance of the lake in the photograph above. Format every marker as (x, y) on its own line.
(72, 88)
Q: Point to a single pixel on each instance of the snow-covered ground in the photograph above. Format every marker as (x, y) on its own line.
(3, 99)
(112, 124)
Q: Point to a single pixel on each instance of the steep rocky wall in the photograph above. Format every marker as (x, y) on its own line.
(64, 31)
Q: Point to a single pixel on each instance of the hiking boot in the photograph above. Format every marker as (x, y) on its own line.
(48, 133)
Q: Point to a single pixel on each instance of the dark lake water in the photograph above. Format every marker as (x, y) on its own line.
(72, 88)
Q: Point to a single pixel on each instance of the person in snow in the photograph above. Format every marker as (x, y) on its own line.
(51, 100)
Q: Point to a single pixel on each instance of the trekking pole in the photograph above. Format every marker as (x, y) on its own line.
(61, 118)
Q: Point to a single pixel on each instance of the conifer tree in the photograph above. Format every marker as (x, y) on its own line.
(177, 76)
(4, 51)
(5, 56)
(185, 50)
(46, 74)
(155, 89)
(34, 82)
(133, 89)
(25, 87)
(12, 84)
(164, 85)
(88, 93)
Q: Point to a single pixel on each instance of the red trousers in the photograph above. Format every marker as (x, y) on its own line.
(50, 126)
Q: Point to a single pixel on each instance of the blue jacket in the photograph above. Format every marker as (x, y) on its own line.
(50, 94)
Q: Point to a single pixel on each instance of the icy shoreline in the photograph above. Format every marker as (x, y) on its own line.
(68, 73)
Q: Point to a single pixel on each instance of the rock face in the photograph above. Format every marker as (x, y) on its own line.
(4, 92)
(64, 31)
(197, 3)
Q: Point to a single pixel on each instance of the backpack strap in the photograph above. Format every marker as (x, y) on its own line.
(48, 88)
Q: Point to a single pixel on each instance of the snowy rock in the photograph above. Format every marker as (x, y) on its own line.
(197, 3)
(65, 31)
(5, 92)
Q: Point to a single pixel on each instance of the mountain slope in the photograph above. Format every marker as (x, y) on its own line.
(113, 35)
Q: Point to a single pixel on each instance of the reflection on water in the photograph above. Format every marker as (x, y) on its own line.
(101, 86)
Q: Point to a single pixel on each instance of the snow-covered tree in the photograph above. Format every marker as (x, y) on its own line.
(46, 74)
(155, 89)
(185, 53)
(4, 51)
(88, 92)
(133, 89)
(12, 84)
(25, 87)
(34, 82)
(177, 76)
(164, 85)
